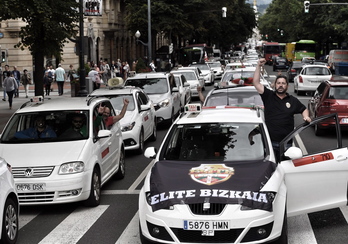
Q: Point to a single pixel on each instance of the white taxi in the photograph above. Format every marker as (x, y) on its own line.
(215, 180)
(67, 150)
(9, 206)
(139, 123)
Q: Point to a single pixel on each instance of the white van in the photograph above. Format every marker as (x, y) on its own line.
(336, 56)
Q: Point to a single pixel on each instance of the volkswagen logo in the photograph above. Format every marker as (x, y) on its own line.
(28, 172)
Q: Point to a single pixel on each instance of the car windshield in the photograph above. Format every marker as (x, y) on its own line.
(215, 65)
(230, 76)
(46, 126)
(338, 92)
(233, 98)
(150, 86)
(281, 60)
(117, 102)
(201, 66)
(317, 71)
(189, 75)
(215, 142)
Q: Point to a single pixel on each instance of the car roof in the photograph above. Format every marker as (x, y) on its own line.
(119, 91)
(223, 114)
(77, 103)
(338, 82)
(148, 75)
(252, 69)
(182, 71)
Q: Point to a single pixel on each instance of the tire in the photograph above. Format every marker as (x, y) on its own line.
(154, 132)
(94, 196)
(283, 239)
(121, 172)
(9, 232)
(140, 150)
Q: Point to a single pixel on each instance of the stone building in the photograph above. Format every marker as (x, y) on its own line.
(107, 38)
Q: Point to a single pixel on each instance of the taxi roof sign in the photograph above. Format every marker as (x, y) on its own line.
(37, 99)
(193, 108)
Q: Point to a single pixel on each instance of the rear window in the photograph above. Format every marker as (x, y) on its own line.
(151, 85)
(340, 92)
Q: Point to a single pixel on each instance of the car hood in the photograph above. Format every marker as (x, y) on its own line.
(129, 117)
(189, 182)
(42, 154)
(156, 98)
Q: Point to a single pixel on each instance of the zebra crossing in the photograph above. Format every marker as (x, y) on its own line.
(73, 226)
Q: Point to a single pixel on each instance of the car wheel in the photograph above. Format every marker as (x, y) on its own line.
(317, 130)
(94, 196)
(140, 150)
(10, 222)
(121, 172)
(154, 132)
(283, 238)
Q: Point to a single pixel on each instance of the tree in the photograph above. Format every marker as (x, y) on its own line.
(48, 25)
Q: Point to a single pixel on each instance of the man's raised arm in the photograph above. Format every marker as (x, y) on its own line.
(256, 79)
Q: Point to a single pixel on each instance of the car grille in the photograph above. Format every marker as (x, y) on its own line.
(32, 172)
(35, 197)
(215, 209)
(225, 236)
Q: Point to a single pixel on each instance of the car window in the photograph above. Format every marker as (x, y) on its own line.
(143, 98)
(317, 71)
(234, 98)
(230, 76)
(189, 75)
(215, 141)
(150, 86)
(117, 102)
(45, 126)
(339, 92)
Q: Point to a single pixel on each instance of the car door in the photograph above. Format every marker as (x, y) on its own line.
(315, 100)
(109, 147)
(147, 117)
(315, 181)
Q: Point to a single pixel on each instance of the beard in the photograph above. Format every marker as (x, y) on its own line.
(283, 91)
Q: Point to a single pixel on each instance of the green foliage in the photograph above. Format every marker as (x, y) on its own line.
(141, 67)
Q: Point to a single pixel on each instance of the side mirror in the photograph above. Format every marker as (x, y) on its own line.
(150, 152)
(144, 107)
(293, 153)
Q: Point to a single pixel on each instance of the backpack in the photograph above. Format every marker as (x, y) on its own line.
(50, 76)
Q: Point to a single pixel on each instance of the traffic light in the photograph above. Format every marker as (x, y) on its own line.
(306, 6)
(3, 56)
(224, 11)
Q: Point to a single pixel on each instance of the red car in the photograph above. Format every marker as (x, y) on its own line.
(330, 97)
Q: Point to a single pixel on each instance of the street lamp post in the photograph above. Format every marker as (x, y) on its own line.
(137, 34)
(82, 79)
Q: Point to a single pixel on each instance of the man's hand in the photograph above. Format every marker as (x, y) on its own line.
(125, 102)
(101, 109)
(261, 62)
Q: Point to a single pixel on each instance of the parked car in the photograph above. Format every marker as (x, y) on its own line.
(192, 78)
(310, 77)
(293, 70)
(9, 206)
(280, 63)
(207, 71)
(184, 89)
(215, 179)
(139, 123)
(233, 96)
(330, 97)
(165, 96)
(68, 151)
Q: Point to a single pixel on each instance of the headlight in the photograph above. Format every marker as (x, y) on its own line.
(71, 168)
(164, 103)
(128, 127)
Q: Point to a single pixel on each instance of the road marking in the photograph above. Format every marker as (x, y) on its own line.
(120, 192)
(344, 211)
(301, 144)
(26, 218)
(300, 230)
(131, 234)
(141, 176)
(75, 225)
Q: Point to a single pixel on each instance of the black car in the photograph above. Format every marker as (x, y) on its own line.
(294, 69)
(280, 63)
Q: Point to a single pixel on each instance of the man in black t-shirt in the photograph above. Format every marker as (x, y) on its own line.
(280, 107)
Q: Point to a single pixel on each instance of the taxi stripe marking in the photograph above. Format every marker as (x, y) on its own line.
(313, 159)
(105, 152)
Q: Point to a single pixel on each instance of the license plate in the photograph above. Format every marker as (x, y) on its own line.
(206, 225)
(344, 121)
(31, 187)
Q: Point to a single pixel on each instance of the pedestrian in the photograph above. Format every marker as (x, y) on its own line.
(10, 84)
(113, 68)
(17, 76)
(71, 72)
(280, 108)
(152, 66)
(4, 75)
(125, 70)
(47, 81)
(51, 74)
(60, 77)
(94, 75)
(26, 81)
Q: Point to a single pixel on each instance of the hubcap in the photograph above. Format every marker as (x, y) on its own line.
(11, 222)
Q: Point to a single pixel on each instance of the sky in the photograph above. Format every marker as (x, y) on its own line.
(260, 2)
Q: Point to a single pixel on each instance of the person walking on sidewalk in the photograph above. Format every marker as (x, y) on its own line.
(60, 76)
(4, 75)
(17, 76)
(10, 84)
(47, 81)
(26, 81)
